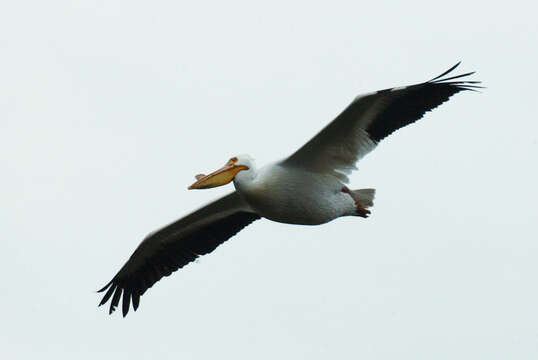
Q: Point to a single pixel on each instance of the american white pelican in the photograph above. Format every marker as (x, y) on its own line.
(306, 188)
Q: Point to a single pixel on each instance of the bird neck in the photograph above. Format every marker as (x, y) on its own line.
(245, 178)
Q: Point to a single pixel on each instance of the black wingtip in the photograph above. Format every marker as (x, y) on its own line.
(105, 287)
(126, 302)
(136, 301)
(115, 300)
(459, 85)
(446, 72)
(107, 296)
(456, 77)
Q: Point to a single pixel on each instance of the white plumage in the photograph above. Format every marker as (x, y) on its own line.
(307, 188)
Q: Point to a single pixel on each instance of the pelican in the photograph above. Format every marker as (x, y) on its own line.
(307, 188)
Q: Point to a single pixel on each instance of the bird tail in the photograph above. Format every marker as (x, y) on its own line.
(365, 197)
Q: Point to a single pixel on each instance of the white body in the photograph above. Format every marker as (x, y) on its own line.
(293, 195)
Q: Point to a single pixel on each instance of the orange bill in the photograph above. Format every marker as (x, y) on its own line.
(220, 177)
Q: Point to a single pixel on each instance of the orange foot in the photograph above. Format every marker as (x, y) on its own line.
(361, 211)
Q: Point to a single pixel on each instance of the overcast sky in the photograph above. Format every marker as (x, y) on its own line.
(109, 108)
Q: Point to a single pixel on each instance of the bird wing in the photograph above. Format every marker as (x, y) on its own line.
(369, 119)
(174, 246)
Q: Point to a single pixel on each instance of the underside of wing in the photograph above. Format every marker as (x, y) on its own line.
(174, 246)
(369, 119)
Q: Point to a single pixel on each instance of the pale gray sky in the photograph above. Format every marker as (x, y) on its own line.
(108, 109)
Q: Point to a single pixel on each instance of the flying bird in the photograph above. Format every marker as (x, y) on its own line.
(309, 187)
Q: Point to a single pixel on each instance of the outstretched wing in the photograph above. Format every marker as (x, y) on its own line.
(369, 119)
(174, 246)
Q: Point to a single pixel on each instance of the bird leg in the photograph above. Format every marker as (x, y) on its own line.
(361, 211)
